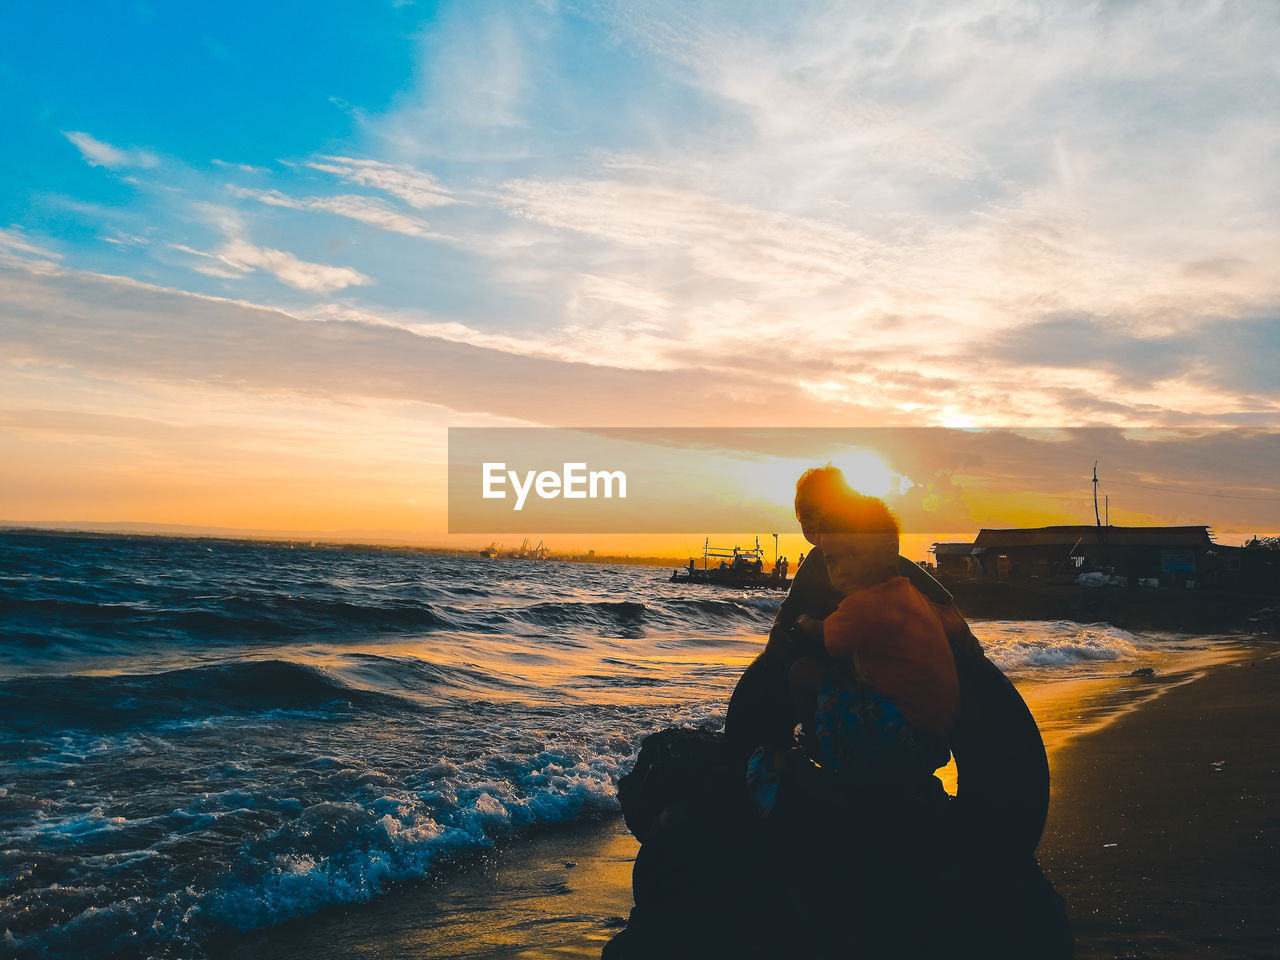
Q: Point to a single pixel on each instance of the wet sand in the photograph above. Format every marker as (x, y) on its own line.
(1163, 833)
(1159, 838)
(561, 894)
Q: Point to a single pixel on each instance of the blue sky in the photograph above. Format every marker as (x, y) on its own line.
(315, 235)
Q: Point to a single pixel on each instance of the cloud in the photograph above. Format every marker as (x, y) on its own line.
(317, 277)
(242, 167)
(99, 154)
(368, 210)
(723, 240)
(416, 187)
(13, 242)
(896, 207)
(238, 256)
(863, 198)
(131, 332)
(113, 373)
(1240, 354)
(209, 264)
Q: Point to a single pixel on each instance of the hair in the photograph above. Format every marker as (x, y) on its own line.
(860, 514)
(843, 509)
(824, 485)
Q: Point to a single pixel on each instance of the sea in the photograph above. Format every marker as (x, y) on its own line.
(201, 738)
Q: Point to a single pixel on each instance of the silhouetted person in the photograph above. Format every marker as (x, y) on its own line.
(980, 842)
(760, 710)
(834, 871)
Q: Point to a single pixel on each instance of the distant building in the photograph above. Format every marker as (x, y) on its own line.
(1144, 556)
(1172, 556)
(1254, 568)
(955, 559)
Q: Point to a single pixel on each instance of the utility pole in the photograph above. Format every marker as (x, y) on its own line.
(1096, 517)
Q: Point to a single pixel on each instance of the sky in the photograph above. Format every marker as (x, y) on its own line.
(255, 259)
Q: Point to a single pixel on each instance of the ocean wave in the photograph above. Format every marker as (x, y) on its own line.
(417, 677)
(93, 625)
(273, 845)
(1013, 646)
(716, 609)
(591, 613)
(403, 835)
(31, 704)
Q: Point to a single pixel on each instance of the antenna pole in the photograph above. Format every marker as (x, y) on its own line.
(1096, 517)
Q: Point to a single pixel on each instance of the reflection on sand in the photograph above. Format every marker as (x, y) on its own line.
(1070, 708)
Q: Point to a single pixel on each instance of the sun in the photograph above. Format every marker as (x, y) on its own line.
(775, 479)
(868, 473)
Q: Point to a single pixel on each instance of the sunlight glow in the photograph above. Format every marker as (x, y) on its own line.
(775, 480)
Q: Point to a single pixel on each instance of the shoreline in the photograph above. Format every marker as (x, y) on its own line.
(523, 899)
(562, 892)
(1160, 837)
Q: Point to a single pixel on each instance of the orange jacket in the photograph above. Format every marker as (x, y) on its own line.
(900, 645)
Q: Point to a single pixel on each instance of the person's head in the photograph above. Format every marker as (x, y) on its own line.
(860, 543)
(819, 492)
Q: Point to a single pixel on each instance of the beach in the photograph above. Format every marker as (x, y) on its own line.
(1163, 832)
(1159, 838)
(220, 749)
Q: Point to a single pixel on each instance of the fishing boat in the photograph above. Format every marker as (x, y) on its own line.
(732, 567)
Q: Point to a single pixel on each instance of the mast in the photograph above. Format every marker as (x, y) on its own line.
(1096, 517)
(1103, 534)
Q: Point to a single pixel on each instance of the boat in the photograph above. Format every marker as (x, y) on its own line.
(732, 567)
(527, 552)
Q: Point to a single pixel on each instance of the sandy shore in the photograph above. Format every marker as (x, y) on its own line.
(561, 894)
(1159, 839)
(1164, 834)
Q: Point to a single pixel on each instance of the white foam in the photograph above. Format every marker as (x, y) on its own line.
(1014, 645)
